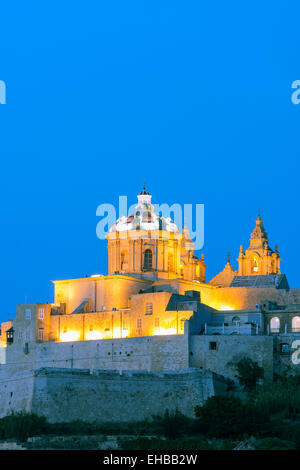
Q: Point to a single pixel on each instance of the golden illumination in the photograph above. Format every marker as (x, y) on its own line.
(225, 307)
(117, 333)
(90, 335)
(164, 331)
(69, 336)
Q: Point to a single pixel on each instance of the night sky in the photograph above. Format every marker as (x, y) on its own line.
(192, 98)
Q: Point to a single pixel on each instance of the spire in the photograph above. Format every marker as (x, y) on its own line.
(144, 198)
(144, 192)
(259, 230)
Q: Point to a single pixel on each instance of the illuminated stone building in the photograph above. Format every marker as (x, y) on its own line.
(149, 262)
(155, 311)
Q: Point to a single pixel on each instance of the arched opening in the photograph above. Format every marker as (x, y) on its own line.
(236, 320)
(124, 260)
(275, 325)
(296, 324)
(148, 259)
(254, 265)
(181, 270)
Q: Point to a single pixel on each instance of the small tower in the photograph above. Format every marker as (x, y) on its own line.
(191, 267)
(259, 258)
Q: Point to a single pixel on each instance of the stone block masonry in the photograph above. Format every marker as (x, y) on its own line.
(65, 395)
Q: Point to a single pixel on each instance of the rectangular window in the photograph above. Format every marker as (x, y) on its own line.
(41, 314)
(27, 314)
(182, 324)
(41, 334)
(212, 346)
(156, 322)
(125, 324)
(139, 323)
(27, 336)
(20, 335)
(149, 308)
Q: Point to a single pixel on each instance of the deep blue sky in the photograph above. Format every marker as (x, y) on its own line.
(192, 97)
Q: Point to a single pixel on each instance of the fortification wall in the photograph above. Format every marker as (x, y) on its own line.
(16, 392)
(67, 395)
(228, 350)
(140, 353)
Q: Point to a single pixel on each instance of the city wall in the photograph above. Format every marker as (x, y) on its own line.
(219, 353)
(139, 353)
(64, 395)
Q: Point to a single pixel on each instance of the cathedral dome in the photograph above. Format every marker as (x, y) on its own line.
(144, 218)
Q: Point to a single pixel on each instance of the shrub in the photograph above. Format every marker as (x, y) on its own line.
(172, 424)
(21, 426)
(273, 443)
(279, 396)
(225, 416)
(248, 373)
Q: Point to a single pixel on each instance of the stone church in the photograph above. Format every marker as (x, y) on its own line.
(153, 330)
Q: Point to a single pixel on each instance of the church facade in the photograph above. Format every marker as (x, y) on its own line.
(155, 310)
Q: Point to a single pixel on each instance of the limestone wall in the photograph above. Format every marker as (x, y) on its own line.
(16, 392)
(141, 353)
(67, 395)
(230, 349)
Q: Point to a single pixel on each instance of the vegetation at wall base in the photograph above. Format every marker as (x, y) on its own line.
(268, 415)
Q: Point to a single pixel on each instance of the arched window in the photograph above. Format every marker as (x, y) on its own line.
(148, 259)
(124, 260)
(275, 325)
(296, 324)
(254, 265)
(236, 320)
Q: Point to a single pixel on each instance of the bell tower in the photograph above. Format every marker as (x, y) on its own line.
(259, 258)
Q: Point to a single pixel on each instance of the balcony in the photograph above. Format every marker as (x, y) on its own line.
(275, 331)
(235, 329)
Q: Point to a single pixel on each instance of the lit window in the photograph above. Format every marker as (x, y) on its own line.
(28, 314)
(182, 324)
(255, 265)
(275, 325)
(296, 324)
(41, 313)
(149, 308)
(139, 323)
(148, 259)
